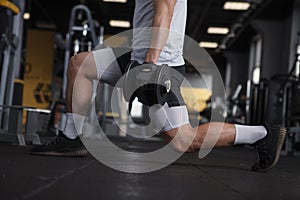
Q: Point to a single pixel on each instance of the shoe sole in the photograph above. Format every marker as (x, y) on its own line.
(281, 138)
(76, 153)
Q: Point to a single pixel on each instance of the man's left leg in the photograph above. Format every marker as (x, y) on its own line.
(82, 69)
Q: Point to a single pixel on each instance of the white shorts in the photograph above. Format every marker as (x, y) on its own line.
(110, 70)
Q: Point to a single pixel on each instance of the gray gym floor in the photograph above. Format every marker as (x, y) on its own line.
(224, 174)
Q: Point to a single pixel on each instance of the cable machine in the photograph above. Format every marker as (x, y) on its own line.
(81, 36)
(11, 45)
(10, 37)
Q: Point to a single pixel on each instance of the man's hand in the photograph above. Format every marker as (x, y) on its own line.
(163, 13)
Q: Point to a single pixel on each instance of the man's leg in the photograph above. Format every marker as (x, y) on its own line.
(173, 121)
(85, 67)
(82, 69)
(214, 134)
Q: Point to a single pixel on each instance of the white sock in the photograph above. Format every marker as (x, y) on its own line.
(249, 134)
(71, 130)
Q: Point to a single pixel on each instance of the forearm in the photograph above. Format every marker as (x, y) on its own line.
(161, 22)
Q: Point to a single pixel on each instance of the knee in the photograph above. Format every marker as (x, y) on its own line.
(75, 63)
(183, 139)
(73, 67)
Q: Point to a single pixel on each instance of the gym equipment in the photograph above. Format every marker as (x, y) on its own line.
(150, 83)
(14, 132)
(236, 108)
(258, 102)
(9, 44)
(277, 101)
(293, 108)
(11, 115)
(10, 6)
(83, 37)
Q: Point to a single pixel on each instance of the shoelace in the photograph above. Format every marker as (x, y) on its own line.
(262, 151)
(54, 141)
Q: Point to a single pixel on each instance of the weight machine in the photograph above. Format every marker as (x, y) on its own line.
(277, 101)
(81, 36)
(11, 128)
(10, 19)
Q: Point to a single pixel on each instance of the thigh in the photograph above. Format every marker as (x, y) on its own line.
(167, 118)
(174, 97)
(173, 113)
(107, 66)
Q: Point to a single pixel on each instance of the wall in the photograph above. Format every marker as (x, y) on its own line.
(238, 68)
(38, 69)
(295, 33)
(276, 41)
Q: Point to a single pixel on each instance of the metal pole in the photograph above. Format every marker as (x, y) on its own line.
(16, 61)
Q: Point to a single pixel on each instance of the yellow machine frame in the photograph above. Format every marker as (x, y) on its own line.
(9, 5)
